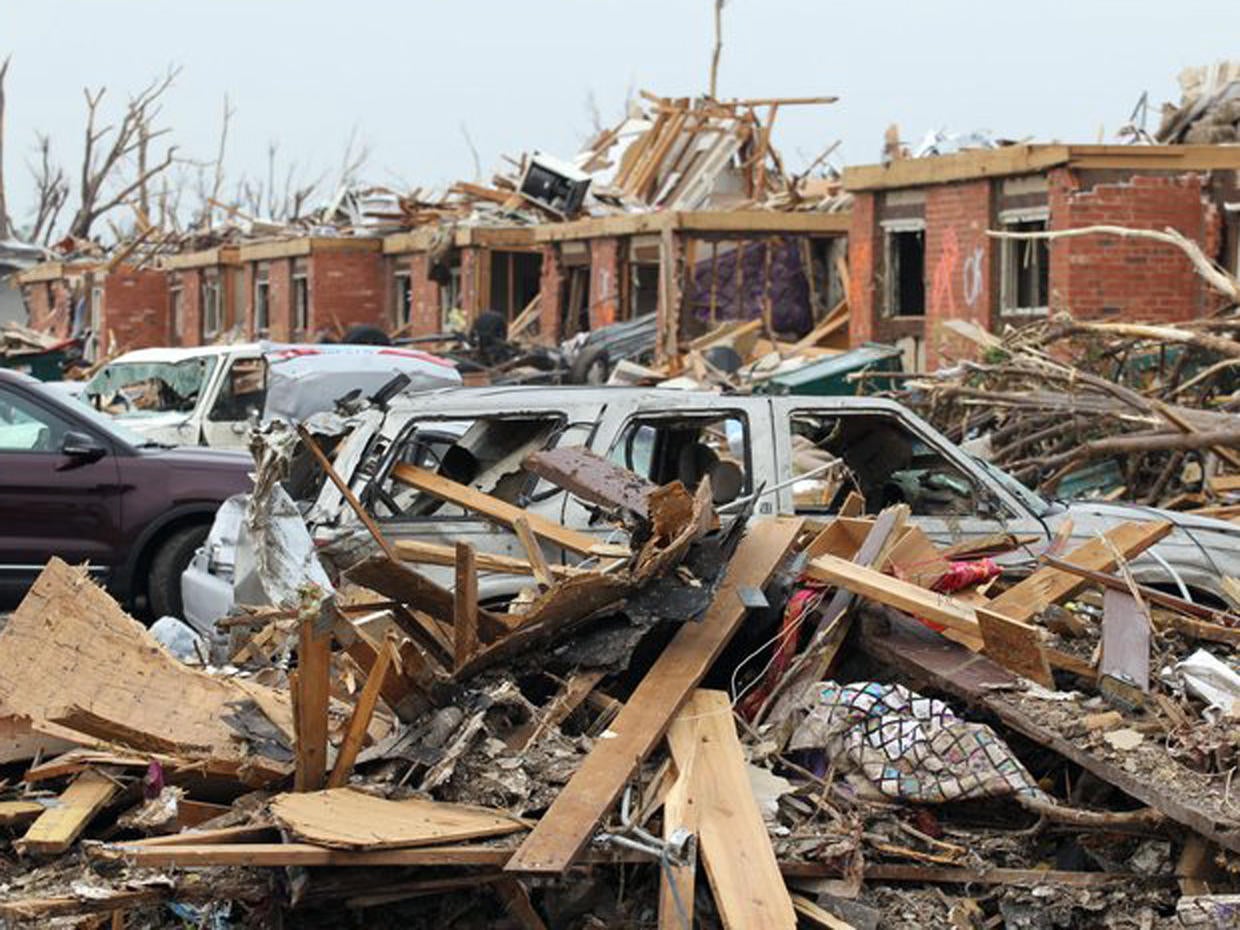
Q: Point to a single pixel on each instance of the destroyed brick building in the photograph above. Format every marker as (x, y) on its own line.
(920, 252)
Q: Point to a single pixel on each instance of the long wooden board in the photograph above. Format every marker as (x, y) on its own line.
(347, 819)
(894, 592)
(736, 848)
(1028, 598)
(492, 508)
(573, 817)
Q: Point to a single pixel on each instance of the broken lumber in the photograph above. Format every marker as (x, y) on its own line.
(493, 508)
(56, 829)
(345, 818)
(464, 606)
(1048, 585)
(312, 689)
(735, 846)
(592, 478)
(359, 722)
(410, 550)
(70, 644)
(572, 818)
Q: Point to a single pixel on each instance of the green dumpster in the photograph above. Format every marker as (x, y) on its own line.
(829, 376)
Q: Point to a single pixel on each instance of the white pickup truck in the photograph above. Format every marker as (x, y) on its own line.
(212, 395)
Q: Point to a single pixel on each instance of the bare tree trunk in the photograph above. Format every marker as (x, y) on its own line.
(218, 181)
(714, 58)
(6, 224)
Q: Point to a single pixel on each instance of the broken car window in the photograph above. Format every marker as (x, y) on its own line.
(243, 392)
(486, 453)
(882, 459)
(140, 388)
(688, 448)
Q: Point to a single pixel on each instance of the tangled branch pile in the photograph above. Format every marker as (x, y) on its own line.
(1145, 413)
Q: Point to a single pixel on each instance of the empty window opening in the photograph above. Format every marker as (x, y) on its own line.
(906, 272)
(262, 301)
(301, 302)
(1026, 270)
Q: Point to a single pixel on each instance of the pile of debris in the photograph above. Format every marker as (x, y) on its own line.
(1209, 108)
(16, 339)
(1124, 411)
(845, 725)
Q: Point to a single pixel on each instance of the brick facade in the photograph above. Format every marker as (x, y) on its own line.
(279, 300)
(606, 276)
(134, 312)
(346, 289)
(1105, 277)
(425, 312)
(1093, 277)
(550, 286)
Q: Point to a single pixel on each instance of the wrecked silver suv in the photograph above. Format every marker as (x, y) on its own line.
(792, 454)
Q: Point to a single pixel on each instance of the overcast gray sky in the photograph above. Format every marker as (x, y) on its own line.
(521, 75)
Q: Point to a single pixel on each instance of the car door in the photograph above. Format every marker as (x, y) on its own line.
(890, 456)
(52, 503)
(236, 400)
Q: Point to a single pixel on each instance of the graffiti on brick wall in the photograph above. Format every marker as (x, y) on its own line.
(971, 277)
(942, 292)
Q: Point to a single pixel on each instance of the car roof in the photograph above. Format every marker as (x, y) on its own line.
(541, 395)
(181, 354)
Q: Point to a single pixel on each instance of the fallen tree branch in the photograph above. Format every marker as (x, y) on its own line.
(1215, 276)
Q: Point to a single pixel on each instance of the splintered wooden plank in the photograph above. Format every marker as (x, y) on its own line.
(680, 811)
(492, 508)
(1028, 598)
(533, 551)
(465, 605)
(592, 478)
(572, 818)
(421, 595)
(359, 722)
(894, 592)
(740, 863)
(817, 916)
(301, 854)
(1125, 639)
(343, 818)
(56, 829)
(411, 550)
(311, 696)
(70, 644)
(1015, 645)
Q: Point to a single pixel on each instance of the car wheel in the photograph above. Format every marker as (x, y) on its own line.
(592, 366)
(171, 559)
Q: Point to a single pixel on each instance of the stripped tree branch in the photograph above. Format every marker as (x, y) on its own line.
(1215, 276)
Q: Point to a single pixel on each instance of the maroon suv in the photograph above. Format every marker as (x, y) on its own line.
(74, 483)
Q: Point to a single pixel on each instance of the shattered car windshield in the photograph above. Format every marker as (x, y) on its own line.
(148, 388)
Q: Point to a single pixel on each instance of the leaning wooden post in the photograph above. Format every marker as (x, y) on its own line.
(316, 616)
(465, 604)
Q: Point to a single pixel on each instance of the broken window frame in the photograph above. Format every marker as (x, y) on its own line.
(300, 292)
(558, 420)
(210, 302)
(641, 418)
(892, 298)
(176, 310)
(1015, 253)
(402, 297)
(262, 300)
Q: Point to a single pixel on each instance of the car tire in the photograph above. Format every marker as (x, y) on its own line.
(171, 559)
(592, 366)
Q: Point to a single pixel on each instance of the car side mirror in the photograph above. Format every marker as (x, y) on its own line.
(82, 448)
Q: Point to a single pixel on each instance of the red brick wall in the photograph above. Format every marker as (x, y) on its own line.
(280, 299)
(135, 310)
(425, 313)
(191, 307)
(549, 295)
(959, 259)
(473, 300)
(605, 271)
(864, 255)
(1105, 277)
(346, 287)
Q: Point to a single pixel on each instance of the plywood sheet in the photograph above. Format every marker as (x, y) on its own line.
(343, 818)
